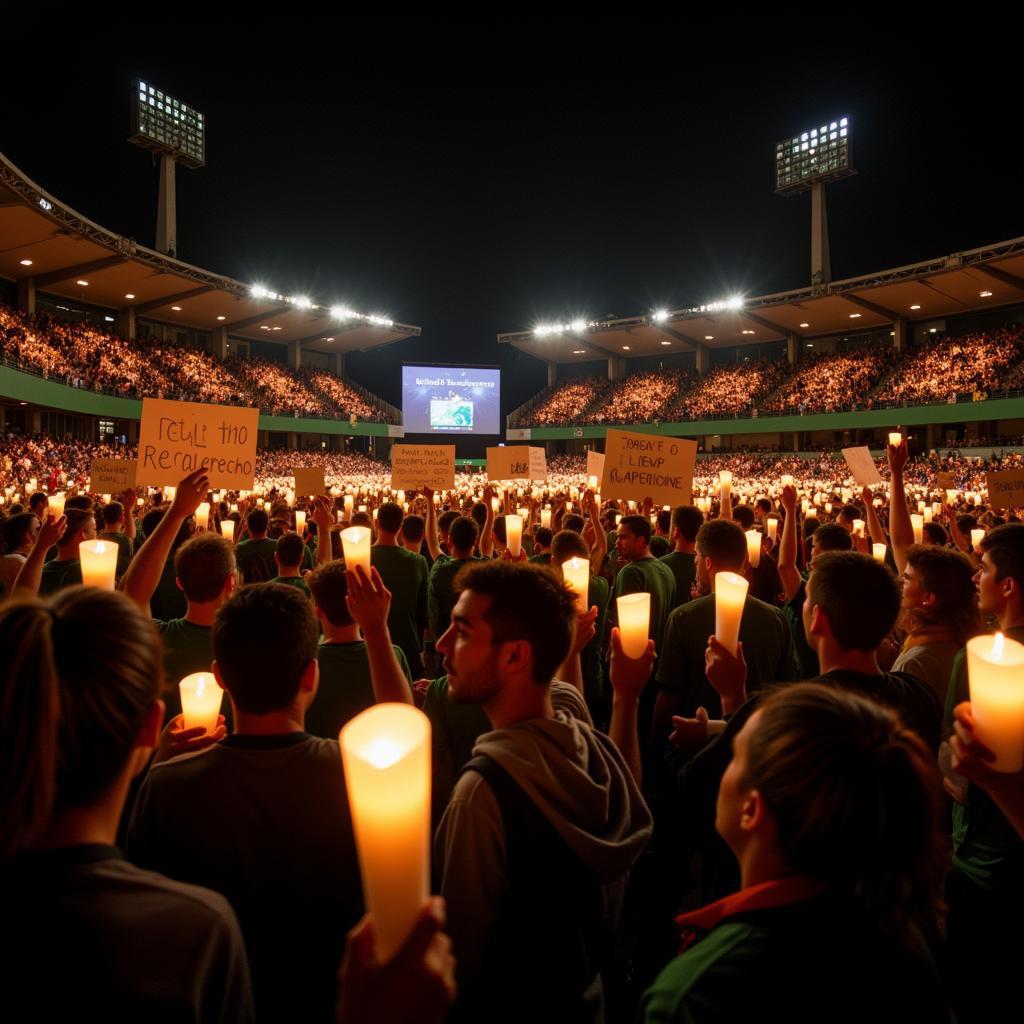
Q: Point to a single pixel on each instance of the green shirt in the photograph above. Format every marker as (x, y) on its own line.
(125, 549)
(255, 559)
(592, 656)
(542, 559)
(986, 847)
(188, 648)
(767, 649)
(58, 575)
(684, 568)
(441, 596)
(652, 576)
(168, 600)
(345, 687)
(405, 575)
(293, 581)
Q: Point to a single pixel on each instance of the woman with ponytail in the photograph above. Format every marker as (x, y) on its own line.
(86, 933)
(832, 808)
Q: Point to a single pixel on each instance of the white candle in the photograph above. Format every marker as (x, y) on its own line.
(105, 498)
(730, 596)
(753, 548)
(401, 497)
(170, 492)
(828, 508)
(300, 521)
(917, 522)
(99, 563)
(995, 671)
(233, 507)
(576, 573)
(895, 439)
(634, 612)
(787, 480)
(592, 482)
(514, 534)
(977, 536)
(725, 484)
(951, 497)
(878, 550)
(773, 528)
(523, 513)
(386, 755)
(858, 527)
(355, 543)
(227, 528)
(203, 516)
(545, 518)
(54, 503)
(928, 515)
(201, 698)
(349, 502)
(140, 502)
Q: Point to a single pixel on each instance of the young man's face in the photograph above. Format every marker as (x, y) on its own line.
(628, 545)
(990, 590)
(470, 658)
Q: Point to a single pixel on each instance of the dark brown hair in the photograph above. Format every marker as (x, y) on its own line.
(203, 565)
(949, 576)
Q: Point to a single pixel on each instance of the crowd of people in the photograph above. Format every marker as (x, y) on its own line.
(642, 397)
(565, 402)
(695, 822)
(84, 356)
(830, 381)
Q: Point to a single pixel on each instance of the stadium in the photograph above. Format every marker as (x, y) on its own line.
(353, 672)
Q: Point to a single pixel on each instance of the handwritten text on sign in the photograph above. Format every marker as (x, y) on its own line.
(1006, 490)
(516, 462)
(177, 438)
(111, 476)
(637, 466)
(414, 466)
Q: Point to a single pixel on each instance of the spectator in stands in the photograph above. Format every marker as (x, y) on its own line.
(686, 521)
(19, 533)
(289, 558)
(255, 553)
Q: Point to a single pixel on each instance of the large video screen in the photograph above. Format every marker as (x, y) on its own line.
(451, 399)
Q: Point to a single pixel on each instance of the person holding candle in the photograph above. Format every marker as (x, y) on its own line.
(642, 573)
(985, 889)
(119, 529)
(262, 817)
(289, 559)
(836, 912)
(85, 931)
(682, 559)
(41, 577)
(546, 819)
(541, 546)
(441, 596)
(255, 553)
(20, 532)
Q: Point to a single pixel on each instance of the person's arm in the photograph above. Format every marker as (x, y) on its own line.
(788, 572)
(146, 568)
(30, 575)
(128, 518)
(901, 530)
(368, 602)
(433, 542)
(727, 674)
(486, 536)
(324, 518)
(955, 533)
(875, 531)
(571, 671)
(628, 678)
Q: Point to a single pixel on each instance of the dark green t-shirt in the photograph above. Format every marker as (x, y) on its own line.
(650, 575)
(58, 575)
(592, 656)
(345, 688)
(293, 581)
(767, 649)
(188, 648)
(986, 847)
(125, 550)
(405, 575)
(441, 596)
(542, 559)
(684, 568)
(255, 559)
(168, 600)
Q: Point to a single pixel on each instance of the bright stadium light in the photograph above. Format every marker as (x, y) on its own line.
(302, 302)
(734, 302)
(578, 325)
(660, 316)
(342, 313)
(257, 291)
(165, 125)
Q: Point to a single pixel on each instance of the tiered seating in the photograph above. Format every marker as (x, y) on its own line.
(642, 397)
(729, 389)
(830, 381)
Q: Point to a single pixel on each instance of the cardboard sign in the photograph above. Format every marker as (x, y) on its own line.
(177, 438)
(516, 462)
(1006, 490)
(111, 476)
(415, 466)
(309, 480)
(637, 466)
(862, 466)
(945, 481)
(595, 465)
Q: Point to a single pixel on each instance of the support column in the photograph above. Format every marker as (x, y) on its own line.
(293, 440)
(166, 211)
(899, 335)
(552, 373)
(796, 440)
(792, 348)
(35, 419)
(336, 363)
(133, 431)
(294, 354)
(616, 368)
(27, 295)
(219, 343)
(263, 438)
(929, 436)
(703, 360)
(821, 265)
(126, 323)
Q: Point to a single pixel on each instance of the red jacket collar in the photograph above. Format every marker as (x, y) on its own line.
(764, 896)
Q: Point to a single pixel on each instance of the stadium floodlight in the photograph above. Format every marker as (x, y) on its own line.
(343, 313)
(257, 291)
(734, 302)
(578, 325)
(302, 302)
(808, 161)
(177, 132)
(659, 316)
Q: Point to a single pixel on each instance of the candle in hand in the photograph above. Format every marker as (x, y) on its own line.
(227, 528)
(355, 542)
(203, 516)
(545, 518)
(99, 563)
(576, 573)
(977, 536)
(55, 504)
(917, 522)
(895, 439)
(300, 521)
(201, 698)
(858, 527)
(634, 612)
(773, 528)
(386, 756)
(514, 534)
(995, 671)
(592, 482)
(725, 482)
(878, 550)
(730, 596)
(787, 480)
(753, 548)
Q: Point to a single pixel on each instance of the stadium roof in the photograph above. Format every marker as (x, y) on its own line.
(66, 248)
(965, 282)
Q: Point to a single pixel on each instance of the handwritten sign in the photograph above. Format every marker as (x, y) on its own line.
(111, 476)
(637, 466)
(945, 481)
(516, 462)
(414, 466)
(862, 466)
(595, 464)
(177, 438)
(309, 480)
(1006, 490)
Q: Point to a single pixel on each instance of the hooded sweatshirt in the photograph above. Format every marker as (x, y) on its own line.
(576, 778)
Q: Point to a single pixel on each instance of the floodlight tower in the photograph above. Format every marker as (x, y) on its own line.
(177, 132)
(811, 160)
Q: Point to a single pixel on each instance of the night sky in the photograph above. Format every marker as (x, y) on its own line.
(471, 186)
